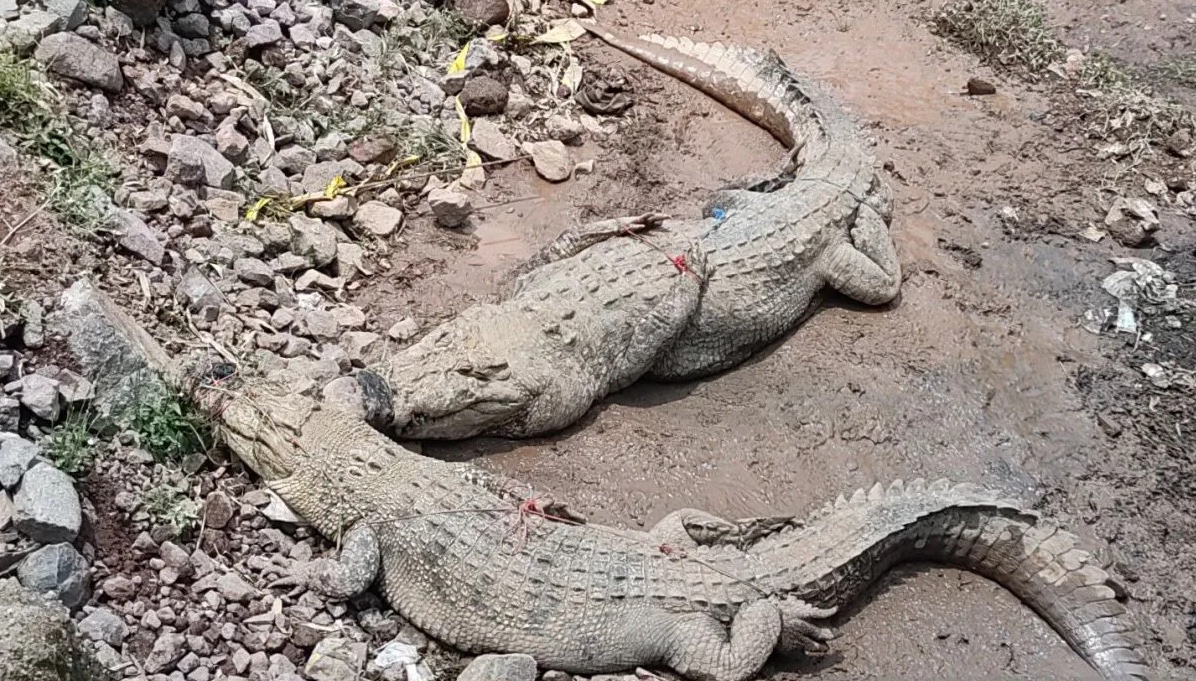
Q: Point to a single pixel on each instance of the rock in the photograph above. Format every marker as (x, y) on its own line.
(490, 141)
(357, 345)
(312, 239)
(6, 513)
(193, 26)
(253, 271)
(337, 208)
(318, 324)
(143, 13)
(356, 14)
(551, 159)
(193, 162)
(136, 236)
(184, 107)
(483, 96)
(234, 588)
(10, 414)
(331, 147)
(59, 571)
(8, 155)
(113, 350)
(372, 149)
(293, 159)
(335, 659)
(38, 641)
(231, 144)
(378, 219)
(47, 507)
(104, 625)
(344, 393)
(218, 510)
(197, 292)
(9, 10)
(119, 588)
(73, 12)
(16, 456)
(34, 333)
(74, 388)
(564, 129)
(403, 330)
(317, 176)
(72, 56)
(39, 394)
(500, 668)
(451, 208)
(489, 12)
(266, 33)
(24, 33)
(976, 86)
(168, 649)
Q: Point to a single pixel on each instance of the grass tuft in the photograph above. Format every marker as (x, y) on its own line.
(71, 448)
(1002, 32)
(171, 427)
(168, 505)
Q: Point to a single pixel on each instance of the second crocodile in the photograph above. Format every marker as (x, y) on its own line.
(609, 303)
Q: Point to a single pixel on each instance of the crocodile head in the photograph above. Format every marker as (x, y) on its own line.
(465, 378)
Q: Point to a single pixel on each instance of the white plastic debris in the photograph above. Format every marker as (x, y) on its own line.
(1144, 283)
(400, 654)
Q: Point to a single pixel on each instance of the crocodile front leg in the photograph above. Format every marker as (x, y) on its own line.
(574, 241)
(866, 269)
(689, 528)
(353, 571)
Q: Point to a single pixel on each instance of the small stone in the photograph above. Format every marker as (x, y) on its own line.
(500, 668)
(335, 659)
(378, 219)
(73, 12)
(356, 14)
(16, 456)
(34, 333)
(293, 159)
(47, 507)
(551, 159)
(39, 394)
(119, 588)
(234, 588)
(72, 56)
(104, 625)
(253, 271)
(57, 570)
(168, 649)
(193, 162)
(74, 388)
(10, 414)
(451, 208)
(357, 345)
(266, 33)
(136, 236)
(490, 141)
(194, 26)
(483, 96)
(184, 107)
(6, 510)
(489, 12)
(24, 33)
(564, 129)
(371, 149)
(337, 208)
(317, 176)
(232, 144)
(976, 86)
(403, 330)
(218, 510)
(313, 239)
(197, 292)
(318, 324)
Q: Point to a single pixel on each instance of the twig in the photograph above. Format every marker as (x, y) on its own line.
(12, 231)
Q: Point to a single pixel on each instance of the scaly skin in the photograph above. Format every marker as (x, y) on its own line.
(468, 567)
(586, 319)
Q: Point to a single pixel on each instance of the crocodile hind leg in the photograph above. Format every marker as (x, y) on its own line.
(689, 528)
(866, 269)
(697, 645)
(349, 574)
(798, 634)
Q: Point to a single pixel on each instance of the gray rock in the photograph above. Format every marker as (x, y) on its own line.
(234, 587)
(38, 641)
(74, 388)
(184, 107)
(489, 141)
(266, 33)
(10, 414)
(483, 96)
(253, 271)
(356, 14)
(34, 333)
(72, 56)
(9, 10)
(331, 147)
(337, 208)
(58, 571)
(317, 176)
(319, 325)
(114, 352)
(304, 36)
(197, 292)
(143, 13)
(137, 237)
(24, 33)
(104, 625)
(336, 659)
(490, 12)
(193, 26)
(312, 239)
(6, 511)
(8, 155)
(293, 159)
(403, 330)
(232, 144)
(168, 649)
(378, 219)
(564, 129)
(551, 159)
(39, 394)
(193, 162)
(451, 208)
(73, 12)
(47, 506)
(16, 457)
(500, 668)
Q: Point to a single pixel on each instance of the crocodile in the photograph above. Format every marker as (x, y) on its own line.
(614, 301)
(712, 599)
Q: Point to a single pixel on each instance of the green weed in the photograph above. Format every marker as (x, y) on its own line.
(170, 427)
(1002, 32)
(168, 505)
(71, 448)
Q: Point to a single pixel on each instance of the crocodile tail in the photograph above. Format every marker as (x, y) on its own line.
(848, 544)
(754, 84)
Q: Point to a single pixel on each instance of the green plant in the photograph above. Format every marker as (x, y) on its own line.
(440, 31)
(168, 505)
(1004, 32)
(79, 176)
(71, 448)
(170, 427)
(1181, 70)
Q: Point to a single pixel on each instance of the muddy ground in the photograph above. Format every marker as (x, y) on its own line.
(980, 372)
